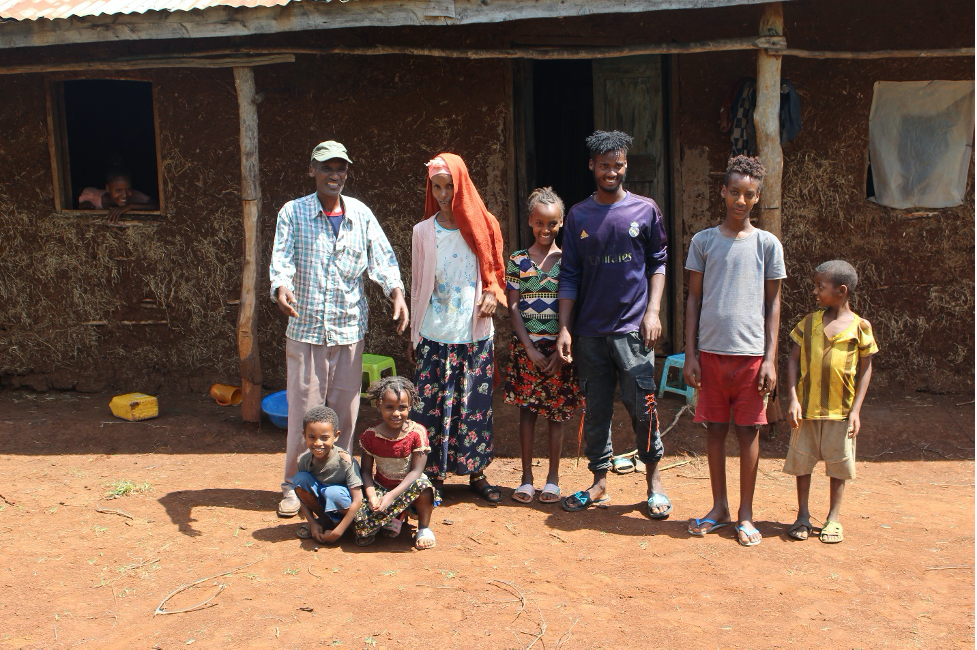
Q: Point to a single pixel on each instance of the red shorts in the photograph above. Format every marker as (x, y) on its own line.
(729, 382)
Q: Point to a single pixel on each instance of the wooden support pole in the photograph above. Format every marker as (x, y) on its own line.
(766, 117)
(247, 318)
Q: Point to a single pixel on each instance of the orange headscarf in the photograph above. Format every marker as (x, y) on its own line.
(478, 226)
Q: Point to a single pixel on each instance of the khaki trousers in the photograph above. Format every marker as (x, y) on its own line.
(320, 374)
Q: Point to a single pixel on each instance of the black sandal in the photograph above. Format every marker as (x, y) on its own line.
(489, 492)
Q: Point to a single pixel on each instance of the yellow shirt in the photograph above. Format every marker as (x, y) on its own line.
(826, 388)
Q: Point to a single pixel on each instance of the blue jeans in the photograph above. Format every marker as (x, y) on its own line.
(332, 498)
(603, 363)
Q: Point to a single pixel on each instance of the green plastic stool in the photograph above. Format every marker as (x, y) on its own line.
(373, 367)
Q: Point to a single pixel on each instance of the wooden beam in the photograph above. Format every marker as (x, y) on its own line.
(877, 54)
(247, 319)
(224, 21)
(229, 58)
(766, 117)
(143, 62)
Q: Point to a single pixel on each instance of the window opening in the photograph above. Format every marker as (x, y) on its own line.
(105, 127)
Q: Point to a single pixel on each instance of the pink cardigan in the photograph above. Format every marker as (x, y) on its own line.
(423, 264)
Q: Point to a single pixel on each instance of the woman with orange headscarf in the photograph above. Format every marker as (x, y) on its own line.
(458, 279)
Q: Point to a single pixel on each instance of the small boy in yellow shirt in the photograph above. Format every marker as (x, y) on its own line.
(832, 353)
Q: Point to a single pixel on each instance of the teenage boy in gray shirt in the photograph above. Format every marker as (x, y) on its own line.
(732, 321)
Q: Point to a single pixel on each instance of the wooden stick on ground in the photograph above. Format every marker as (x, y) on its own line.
(106, 511)
(522, 598)
(675, 420)
(160, 610)
(140, 564)
(566, 635)
(678, 464)
(949, 566)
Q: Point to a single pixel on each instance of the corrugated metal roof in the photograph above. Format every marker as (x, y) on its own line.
(51, 9)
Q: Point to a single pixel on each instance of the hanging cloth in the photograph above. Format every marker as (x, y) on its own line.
(790, 112)
(739, 114)
(478, 226)
(743, 135)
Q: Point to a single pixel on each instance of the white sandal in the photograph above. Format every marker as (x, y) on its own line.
(525, 493)
(424, 538)
(550, 493)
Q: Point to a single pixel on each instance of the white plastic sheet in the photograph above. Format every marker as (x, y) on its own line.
(921, 136)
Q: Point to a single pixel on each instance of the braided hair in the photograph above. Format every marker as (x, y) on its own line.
(545, 196)
(395, 384)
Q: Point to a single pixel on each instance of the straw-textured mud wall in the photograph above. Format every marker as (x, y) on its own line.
(89, 306)
(68, 283)
(916, 267)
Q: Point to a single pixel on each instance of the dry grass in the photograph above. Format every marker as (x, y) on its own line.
(916, 282)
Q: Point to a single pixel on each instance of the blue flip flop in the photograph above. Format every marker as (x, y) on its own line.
(702, 533)
(742, 529)
(582, 500)
(658, 499)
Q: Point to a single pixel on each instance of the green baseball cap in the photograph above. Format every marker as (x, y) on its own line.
(328, 150)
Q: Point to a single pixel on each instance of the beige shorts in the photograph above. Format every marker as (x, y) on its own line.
(825, 440)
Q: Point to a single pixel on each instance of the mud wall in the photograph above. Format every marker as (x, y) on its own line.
(916, 267)
(69, 282)
(60, 271)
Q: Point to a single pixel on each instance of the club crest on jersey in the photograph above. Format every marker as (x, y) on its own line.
(633, 230)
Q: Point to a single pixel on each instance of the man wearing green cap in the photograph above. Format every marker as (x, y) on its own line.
(324, 243)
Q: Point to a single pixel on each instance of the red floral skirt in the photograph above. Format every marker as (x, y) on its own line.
(554, 397)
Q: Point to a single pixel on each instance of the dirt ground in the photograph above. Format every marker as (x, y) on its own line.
(80, 569)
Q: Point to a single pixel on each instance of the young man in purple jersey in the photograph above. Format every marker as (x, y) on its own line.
(611, 283)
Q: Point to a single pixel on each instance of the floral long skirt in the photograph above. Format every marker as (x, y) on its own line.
(554, 397)
(454, 381)
(369, 523)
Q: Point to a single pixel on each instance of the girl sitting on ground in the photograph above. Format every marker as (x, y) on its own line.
(392, 466)
(538, 381)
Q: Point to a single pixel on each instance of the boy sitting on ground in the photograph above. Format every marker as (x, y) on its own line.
(118, 196)
(328, 482)
(732, 322)
(824, 410)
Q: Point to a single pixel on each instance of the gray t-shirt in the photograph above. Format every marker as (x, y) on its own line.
(733, 273)
(340, 468)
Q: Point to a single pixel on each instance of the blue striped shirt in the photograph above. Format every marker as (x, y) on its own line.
(325, 271)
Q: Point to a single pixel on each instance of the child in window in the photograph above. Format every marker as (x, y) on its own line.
(538, 381)
(394, 454)
(118, 197)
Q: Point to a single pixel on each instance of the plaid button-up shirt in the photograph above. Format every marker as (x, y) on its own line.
(325, 271)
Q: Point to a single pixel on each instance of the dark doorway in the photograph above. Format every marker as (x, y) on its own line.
(110, 123)
(557, 104)
(563, 116)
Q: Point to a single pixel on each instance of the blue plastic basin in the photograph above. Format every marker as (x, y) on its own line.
(275, 407)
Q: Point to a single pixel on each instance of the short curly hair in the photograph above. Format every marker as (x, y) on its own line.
(839, 273)
(604, 141)
(321, 413)
(545, 196)
(747, 166)
(395, 384)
